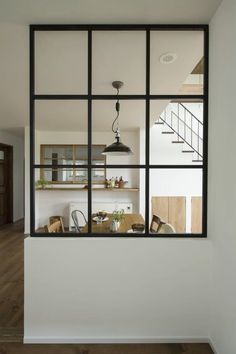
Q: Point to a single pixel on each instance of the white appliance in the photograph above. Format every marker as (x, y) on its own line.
(96, 206)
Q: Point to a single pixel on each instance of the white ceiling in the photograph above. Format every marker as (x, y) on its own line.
(107, 11)
(117, 56)
(187, 45)
(61, 61)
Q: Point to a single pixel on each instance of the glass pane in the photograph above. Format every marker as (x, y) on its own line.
(97, 156)
(61, 62)
(57, 154)
(54, 177)
(131, 126)
(81, 154)
(119, 55)
(1, 155)
(176, 132)
(57, 175)
(177, 62)
(59, 125)
(175, 201)
(118, 204)
(55, 201)
(99, 176)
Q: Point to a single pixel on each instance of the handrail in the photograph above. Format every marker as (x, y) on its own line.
(185, 126)
(181, 104)
(180, 136)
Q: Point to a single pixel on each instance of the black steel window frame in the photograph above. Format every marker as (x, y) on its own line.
(147, 97)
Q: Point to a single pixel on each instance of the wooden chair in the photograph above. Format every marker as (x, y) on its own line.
(156, 224)
(55, 227)
(55, 218)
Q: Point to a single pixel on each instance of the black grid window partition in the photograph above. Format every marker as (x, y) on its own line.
(149, 98)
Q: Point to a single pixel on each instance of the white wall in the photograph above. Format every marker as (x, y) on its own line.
(18, 172)
(120, 290)
(163, 151)
(222, 173)
(117, 290)
(93, 290)
(27, 181)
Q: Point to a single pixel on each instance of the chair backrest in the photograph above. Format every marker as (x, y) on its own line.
(75, 214)
(54, 218)
(56, 226)
(167, 229)
(156, 223)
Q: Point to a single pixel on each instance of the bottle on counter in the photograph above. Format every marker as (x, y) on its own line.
(112, 180)
(121, 182)
(117, 183)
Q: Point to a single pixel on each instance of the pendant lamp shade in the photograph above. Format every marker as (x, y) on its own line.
(117, 148)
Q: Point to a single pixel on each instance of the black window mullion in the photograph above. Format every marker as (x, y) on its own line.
(45, 97)
(89, 131)
(119, 27)
(205, 132)
(147, 132)
(89, 97)
(121, 166)
(32, 130)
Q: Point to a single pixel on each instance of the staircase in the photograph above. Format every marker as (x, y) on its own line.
(186, 129)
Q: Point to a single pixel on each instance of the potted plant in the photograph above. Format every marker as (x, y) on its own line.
(117, 217)
(41, 183)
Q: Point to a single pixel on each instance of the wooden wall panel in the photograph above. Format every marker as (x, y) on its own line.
(196, 217)
(171, 210)
(160, 207)
(177, 213)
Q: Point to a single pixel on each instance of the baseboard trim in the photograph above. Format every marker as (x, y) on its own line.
(211, 344)
(18, 220)
(111, 340)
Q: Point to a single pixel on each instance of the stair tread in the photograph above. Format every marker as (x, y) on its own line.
(178, 142)
(168, 132)
(188, 151)
(159, 123)
(197, 160)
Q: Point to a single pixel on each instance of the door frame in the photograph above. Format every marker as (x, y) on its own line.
(9, 149)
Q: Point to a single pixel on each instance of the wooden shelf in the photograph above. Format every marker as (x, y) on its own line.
(85, 189)
(116, 189)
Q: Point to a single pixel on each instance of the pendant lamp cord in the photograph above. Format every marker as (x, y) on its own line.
(117, 131)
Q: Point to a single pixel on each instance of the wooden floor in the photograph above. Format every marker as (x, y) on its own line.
(11, 311)
(11, 281)
(11, 348)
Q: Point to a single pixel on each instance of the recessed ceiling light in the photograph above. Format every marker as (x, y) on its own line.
(168, 58)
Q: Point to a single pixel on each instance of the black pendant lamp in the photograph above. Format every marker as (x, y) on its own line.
(117, 148)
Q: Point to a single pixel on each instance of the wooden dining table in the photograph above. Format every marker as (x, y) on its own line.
(125, 225)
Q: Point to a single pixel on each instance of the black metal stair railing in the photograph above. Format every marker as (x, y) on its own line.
(187, 127)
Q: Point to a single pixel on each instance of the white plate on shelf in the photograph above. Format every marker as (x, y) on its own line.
(96, 219)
